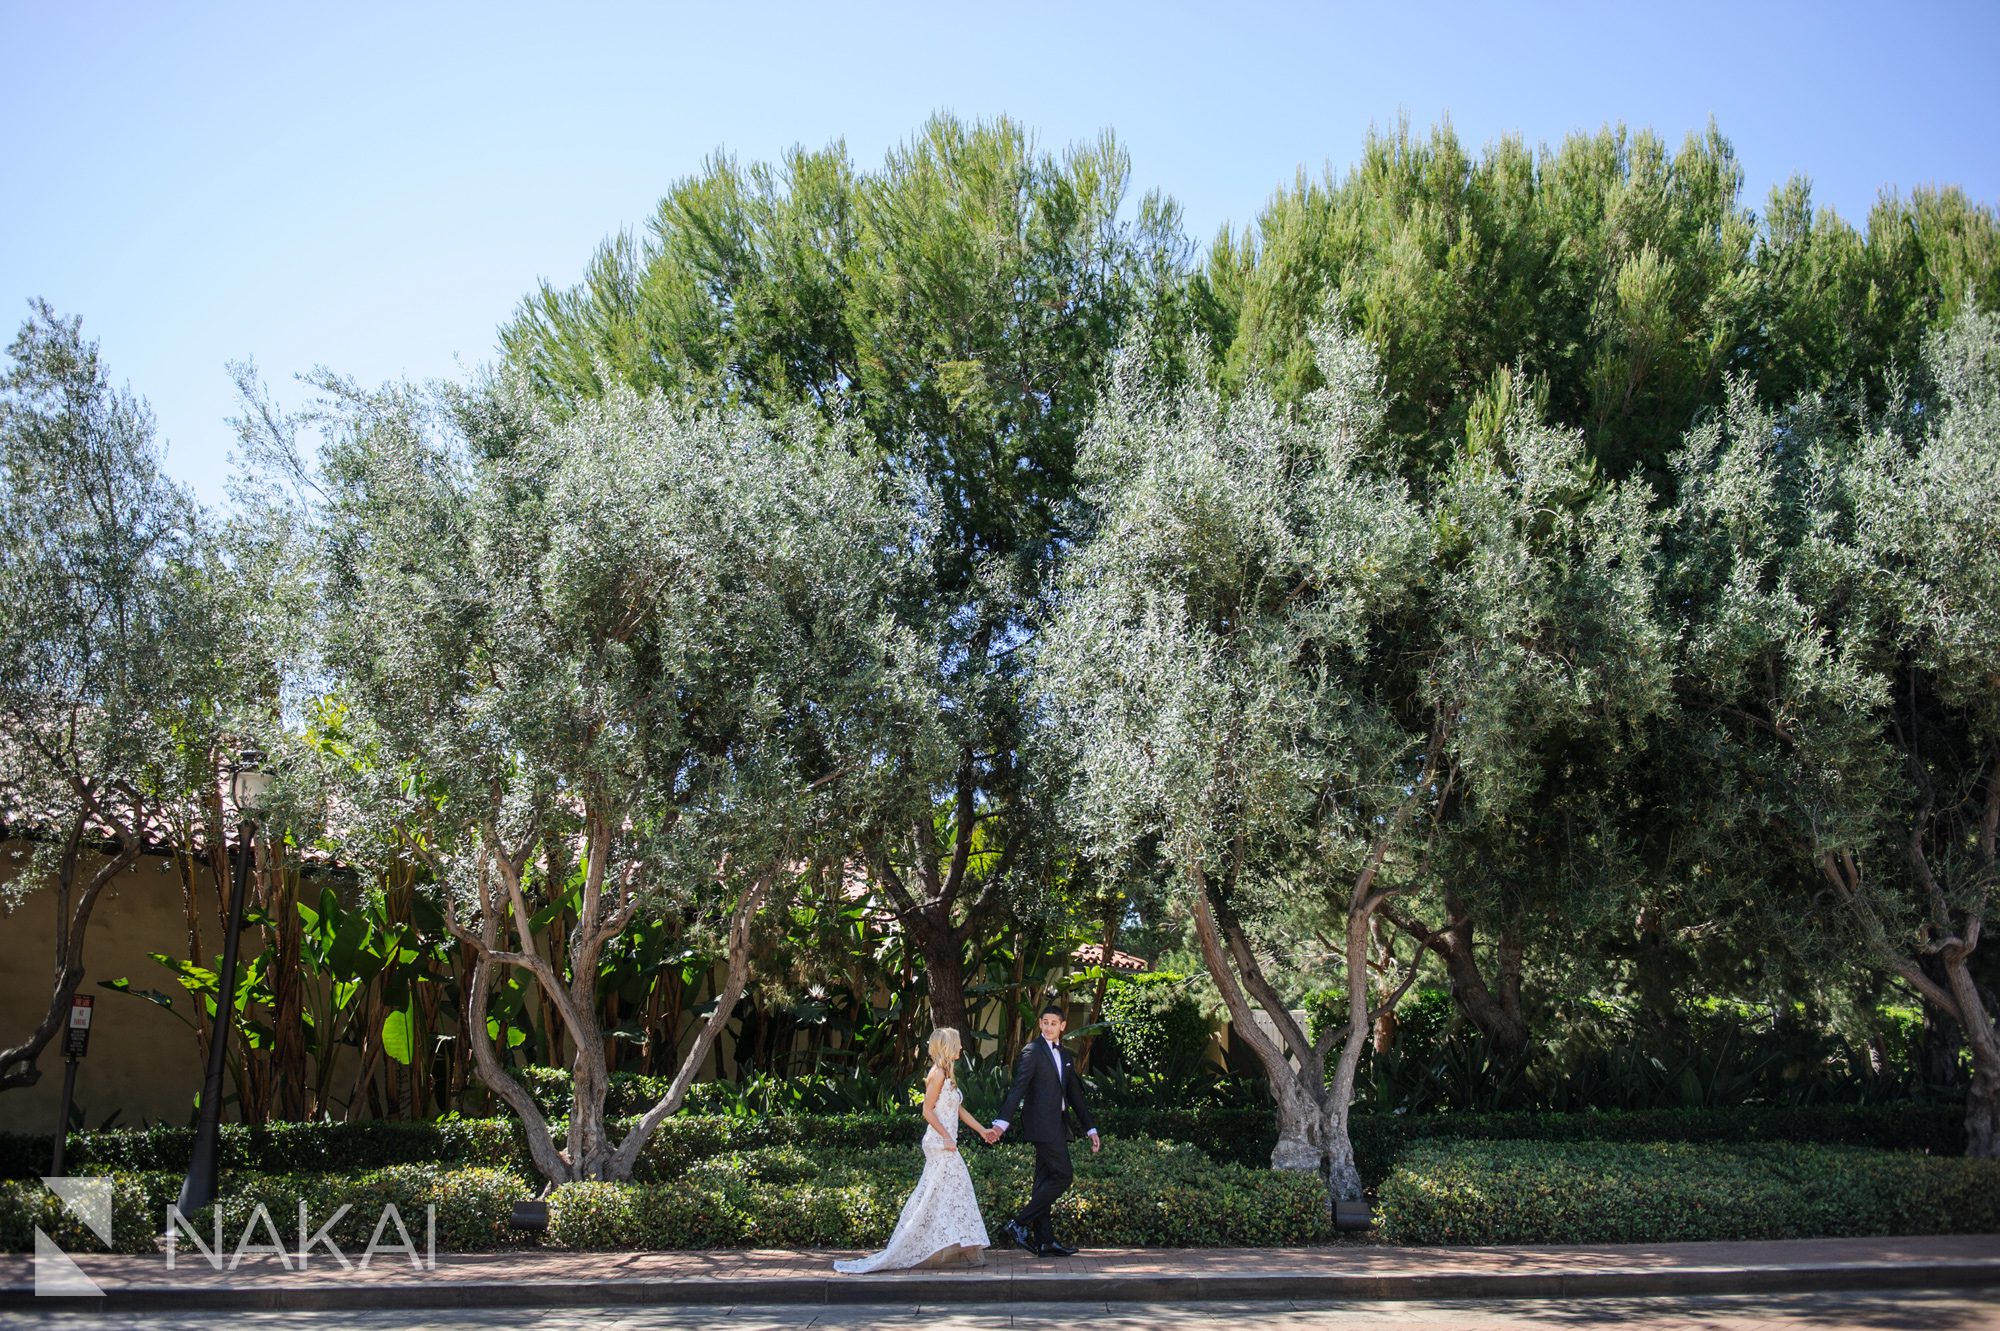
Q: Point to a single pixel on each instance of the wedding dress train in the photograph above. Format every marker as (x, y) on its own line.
(940, 1223)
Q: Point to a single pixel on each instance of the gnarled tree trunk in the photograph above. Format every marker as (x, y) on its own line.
(1111, 914)
(936, 900)
(19, 1065)
(1494, 1008)
(1954, 937)
(1312, 1112)
(588, 1152)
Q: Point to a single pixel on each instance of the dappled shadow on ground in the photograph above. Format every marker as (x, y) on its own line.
(1874, 1310)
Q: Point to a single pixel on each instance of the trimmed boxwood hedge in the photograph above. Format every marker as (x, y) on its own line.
(1380, 1140)
(135, 1218)
(473, 1204)
(1231, 1136)
(276, 1148)
(1137, 1194)
(1501, 1192)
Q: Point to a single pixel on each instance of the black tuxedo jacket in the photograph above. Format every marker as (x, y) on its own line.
(1040, 1095)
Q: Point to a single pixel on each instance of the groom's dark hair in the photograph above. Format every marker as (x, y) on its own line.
(1053, 1011)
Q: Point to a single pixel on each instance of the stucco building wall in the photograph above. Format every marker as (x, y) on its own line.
(144, 1063)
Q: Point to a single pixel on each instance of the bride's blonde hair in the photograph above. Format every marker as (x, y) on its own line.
(944, 1048)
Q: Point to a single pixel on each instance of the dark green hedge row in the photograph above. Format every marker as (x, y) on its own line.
(135, 1216)
(1492, 1192)
(322, 1147)
(277, 1148)
(1136, 1194)
(1936, 1129)
(472, 1205)
(472, 1202)
(1230, 1136)
(1139, 1194)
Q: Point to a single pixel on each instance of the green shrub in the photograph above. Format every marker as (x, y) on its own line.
(1235, 1135)
(473, 1204)
(277, 1148)
(1491, 1192)
(1242, 1136)
(1135, 1194)
(1380, 1139)
(27, 1206)
(1156, 1027)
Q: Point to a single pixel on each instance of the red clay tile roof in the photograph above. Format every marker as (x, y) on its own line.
(159, 834)
(1091, 953)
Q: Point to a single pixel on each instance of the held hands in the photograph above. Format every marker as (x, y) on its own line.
(1095, 1144)
(989, 1135)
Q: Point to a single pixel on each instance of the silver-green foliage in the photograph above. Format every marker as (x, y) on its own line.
(1839, 600)
(1296, 675)
(113, 673)
(642, 641)
(1267, 626)
(1237, 552)
(105, 640)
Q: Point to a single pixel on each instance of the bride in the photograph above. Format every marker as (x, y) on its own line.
(940, 1223)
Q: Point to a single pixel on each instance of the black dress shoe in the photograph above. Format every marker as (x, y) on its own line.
(1055, 1248)
(1017, 1236)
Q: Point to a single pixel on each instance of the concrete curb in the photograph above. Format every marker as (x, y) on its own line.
(972, 1288)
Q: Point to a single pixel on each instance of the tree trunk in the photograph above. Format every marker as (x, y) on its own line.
(1298, 1081)
(1301, 1123)
(1343, 1178)
(933, 887)
(1982, 1100)
(19, 1065)
(1939, 1038)
(588, 1147)
(1012, 1040)
(1494, 1010)
(1982, 1113)
(944, 972)
(1959, 995)
(1297, 1088)
(288, 1032)
(1111, 914)
(1652, 973)
(1385, 1021)
(541, 1142)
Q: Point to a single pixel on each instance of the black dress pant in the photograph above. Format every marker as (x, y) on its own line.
(1053, 1173)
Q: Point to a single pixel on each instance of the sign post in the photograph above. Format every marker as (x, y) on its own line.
(76, 1043)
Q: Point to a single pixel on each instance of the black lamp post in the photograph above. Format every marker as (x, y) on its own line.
(249, 785)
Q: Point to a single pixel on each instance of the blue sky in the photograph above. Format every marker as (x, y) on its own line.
(372, 188)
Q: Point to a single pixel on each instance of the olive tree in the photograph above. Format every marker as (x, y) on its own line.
(110, 688)
(631, 653)
(1273, 658)
(1839, 599)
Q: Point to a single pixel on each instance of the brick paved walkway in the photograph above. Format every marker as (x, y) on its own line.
(546, 1278)
(1868, 1310)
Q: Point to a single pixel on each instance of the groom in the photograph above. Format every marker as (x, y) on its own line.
(1046, 1088)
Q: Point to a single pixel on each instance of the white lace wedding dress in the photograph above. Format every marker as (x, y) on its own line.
(940, 1224)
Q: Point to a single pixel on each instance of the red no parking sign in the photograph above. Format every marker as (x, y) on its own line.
(77, 1042)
